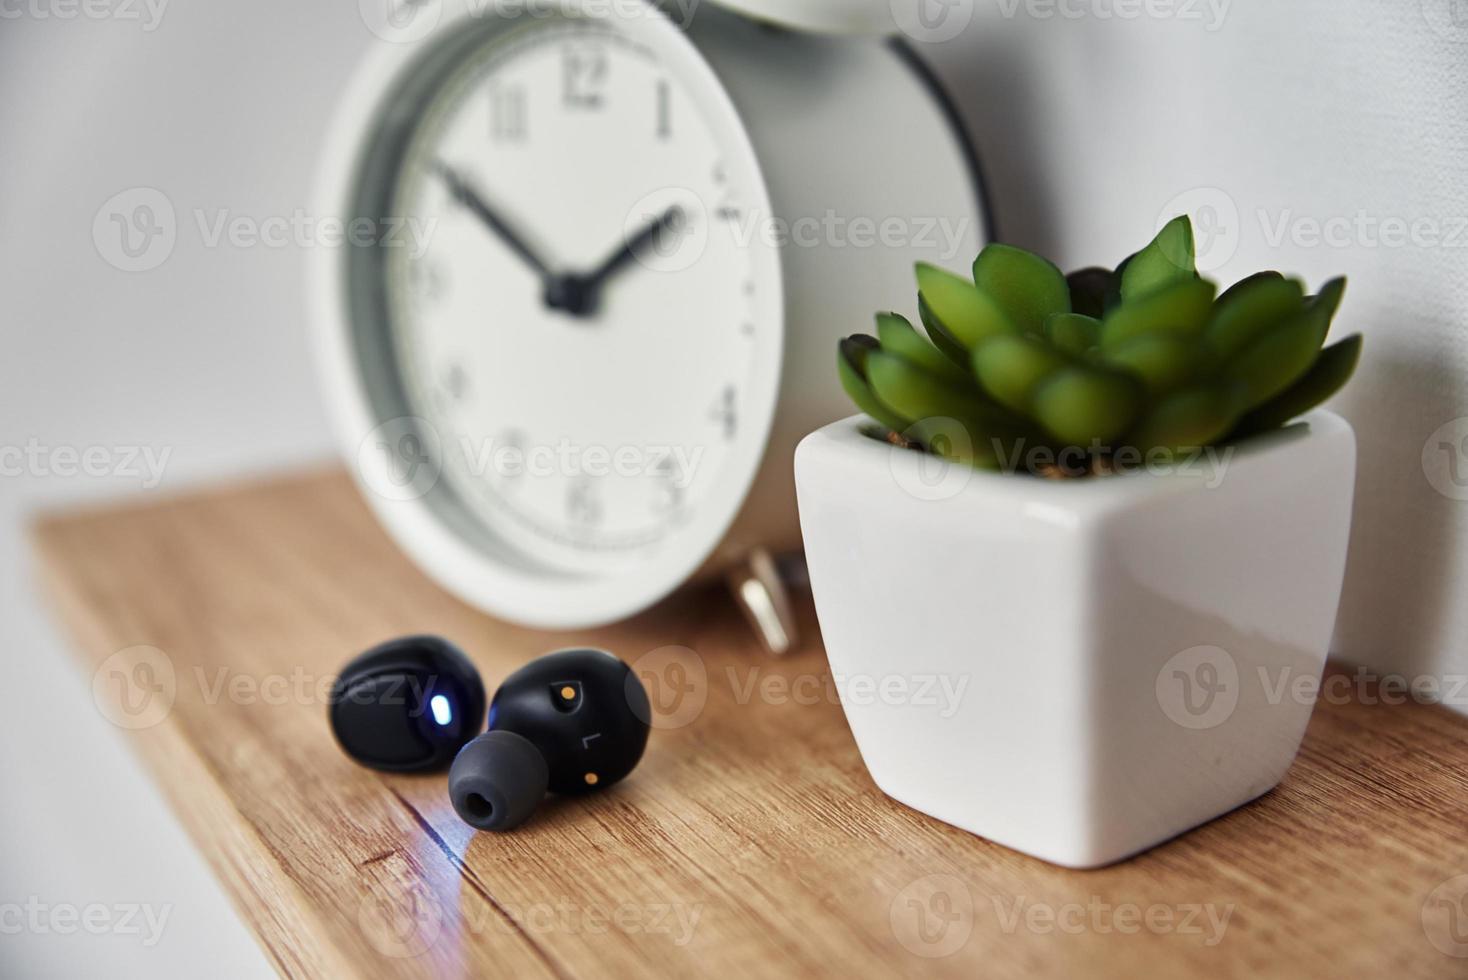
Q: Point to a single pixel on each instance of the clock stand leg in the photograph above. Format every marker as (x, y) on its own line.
(761, 586)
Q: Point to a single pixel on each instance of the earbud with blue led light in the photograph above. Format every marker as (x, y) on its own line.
(569, 722)
(407, 705)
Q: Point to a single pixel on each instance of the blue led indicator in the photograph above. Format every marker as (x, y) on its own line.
(443, 712)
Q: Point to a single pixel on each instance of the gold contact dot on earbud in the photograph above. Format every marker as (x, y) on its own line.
(591, 779)
(568, 692)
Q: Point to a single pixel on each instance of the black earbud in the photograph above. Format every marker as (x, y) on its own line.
(407, 705)
(569, 722)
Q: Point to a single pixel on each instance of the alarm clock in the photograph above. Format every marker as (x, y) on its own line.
(597, 259)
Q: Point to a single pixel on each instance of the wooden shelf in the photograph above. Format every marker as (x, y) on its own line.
(751, 838)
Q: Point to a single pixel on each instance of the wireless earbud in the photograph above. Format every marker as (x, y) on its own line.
(407, 705)
(569, 722)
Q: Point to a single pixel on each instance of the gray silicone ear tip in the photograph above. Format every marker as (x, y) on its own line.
(497, 781)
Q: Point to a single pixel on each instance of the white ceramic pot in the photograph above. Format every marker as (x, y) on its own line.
(1078, 669)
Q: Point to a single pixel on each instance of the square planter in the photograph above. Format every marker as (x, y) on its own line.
(1117, 659)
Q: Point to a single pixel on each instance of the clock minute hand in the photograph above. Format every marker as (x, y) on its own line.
(466, 196)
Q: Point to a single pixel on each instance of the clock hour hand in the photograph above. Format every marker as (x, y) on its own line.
(466, 196)
(669, 219)
(578, 294)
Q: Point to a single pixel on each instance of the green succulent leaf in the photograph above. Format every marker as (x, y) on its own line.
(1161, 361)
(1081, 404)
(1074, 333)
(851, 365)
(940, 438)
(964, 311)
(1167, 260)
(1247, 282)
(898, 337)
(941, 338)
(1027, 287)
(1149, 356)
(1113, 293)
(1188, 419)
(976, 440)
(1089, 289)
(1281, 356)
(1250, 309)
(913, 392)
(1181, 308)
(1328, 375)
(1010, 368)
(1328, 300)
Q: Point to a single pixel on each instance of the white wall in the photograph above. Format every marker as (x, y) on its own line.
(1320, 110)
(1088, 127)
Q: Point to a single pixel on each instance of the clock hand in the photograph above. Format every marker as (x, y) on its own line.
(465, 195)
(667, 220)
(578, 294)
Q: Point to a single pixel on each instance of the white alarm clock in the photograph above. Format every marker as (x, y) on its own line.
(598, 262)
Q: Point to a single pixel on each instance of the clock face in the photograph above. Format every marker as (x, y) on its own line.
(581, 314)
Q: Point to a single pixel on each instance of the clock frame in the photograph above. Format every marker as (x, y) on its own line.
(851, 127)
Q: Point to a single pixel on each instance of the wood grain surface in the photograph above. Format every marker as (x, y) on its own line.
(750, 840)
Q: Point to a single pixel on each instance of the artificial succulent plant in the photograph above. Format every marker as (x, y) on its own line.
(1149, 358)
